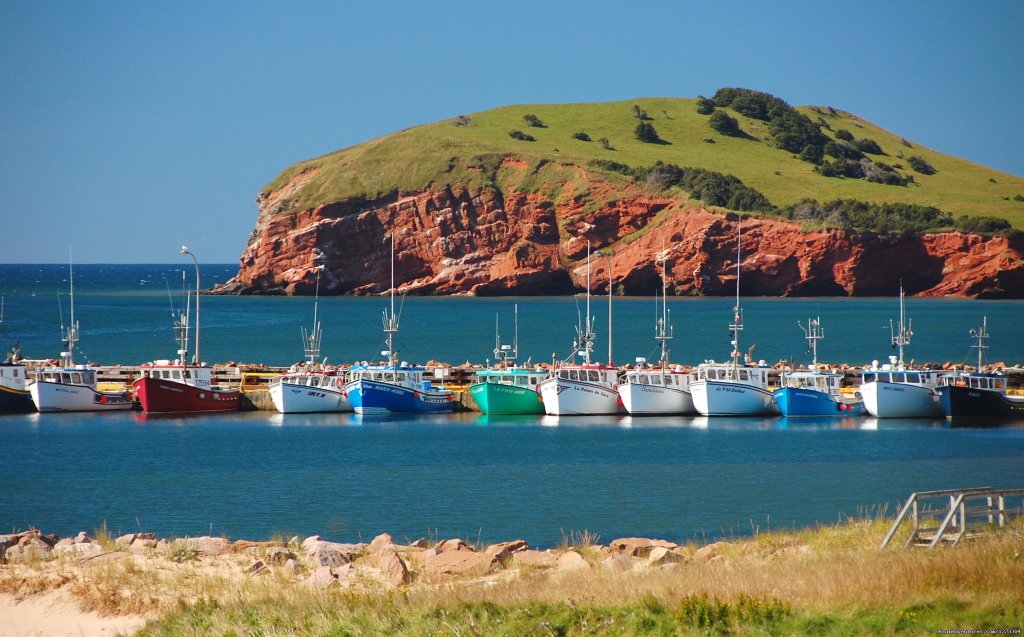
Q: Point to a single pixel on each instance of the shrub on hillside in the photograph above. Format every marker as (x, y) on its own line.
(862, 216)
(462, 120)
(645, 132)
(868, 146)
(1018, 197)
(521, 136)
(583, 137)
(533, 120)
(640, 113)
(981, 225)
(724, 124)
(812, 154)
(605, 144)
(705, 106)
(844, 135)
(842, 150)
(921, 165)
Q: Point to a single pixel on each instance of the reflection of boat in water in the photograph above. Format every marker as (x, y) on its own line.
(979, 397)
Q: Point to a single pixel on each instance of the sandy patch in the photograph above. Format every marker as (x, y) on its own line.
(54, 616)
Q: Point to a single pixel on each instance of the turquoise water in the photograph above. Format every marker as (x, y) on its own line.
(255, 474)
(125, 317)
(252, 475)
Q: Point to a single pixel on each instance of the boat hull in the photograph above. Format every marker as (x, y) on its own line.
(159, 396)
(718, 398)
(640, 400)
(14, 400)
(563, 397)
(796, 402)
(496, 398)
(56, 397)
(292, 398)
(970, 403)
(898, 400)
(373, 398)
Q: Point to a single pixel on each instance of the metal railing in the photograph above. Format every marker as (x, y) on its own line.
(955, 513)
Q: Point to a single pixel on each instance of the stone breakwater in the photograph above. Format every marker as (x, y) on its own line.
(321, 564)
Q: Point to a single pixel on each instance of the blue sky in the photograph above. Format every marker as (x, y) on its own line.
(129, 128)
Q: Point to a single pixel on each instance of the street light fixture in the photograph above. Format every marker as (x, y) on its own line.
(184, 250)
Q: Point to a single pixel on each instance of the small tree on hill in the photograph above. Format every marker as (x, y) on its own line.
(844, 135)
(583, 137)
(705, 106)
(533, 120)
(521, 136)
(645, 132)
(640, 113)
(605, 144)
(724, 124)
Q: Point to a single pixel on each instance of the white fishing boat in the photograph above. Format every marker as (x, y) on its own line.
(311, 387)
(72, 387)
(664, 389)
(575, 389)
(733, 389)
(894, 391)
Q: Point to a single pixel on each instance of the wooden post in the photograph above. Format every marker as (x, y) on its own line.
(1002, 509)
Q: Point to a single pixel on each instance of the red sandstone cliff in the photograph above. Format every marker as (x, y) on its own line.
(459, 241)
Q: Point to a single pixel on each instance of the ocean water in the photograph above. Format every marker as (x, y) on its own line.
(253, 475)
(125, 317)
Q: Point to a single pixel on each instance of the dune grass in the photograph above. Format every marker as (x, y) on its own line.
(470, 156)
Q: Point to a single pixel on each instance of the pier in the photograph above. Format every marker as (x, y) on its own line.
(254, 379)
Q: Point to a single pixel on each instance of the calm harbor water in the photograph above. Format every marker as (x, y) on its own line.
(256, 474)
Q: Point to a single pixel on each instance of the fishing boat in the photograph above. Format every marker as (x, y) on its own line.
(393, 387)
(892, 390)
(508, 389)
(816, 391)
(311, 388)
(176, 386)
(72, 387)
(664, 389)
(733, 389)
(14, 394)
(588, 388)
(978, 395)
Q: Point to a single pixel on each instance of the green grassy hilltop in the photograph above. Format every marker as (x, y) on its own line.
(468, 153)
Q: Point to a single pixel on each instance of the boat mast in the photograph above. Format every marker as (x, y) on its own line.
(311, 339)
(610, 286)
(902, 338)
(585, 333)
(181, 325)
(663, 328)
(505, 353)
(70, 336)
(981, 334)
(737, 323)
(391, 320)
(813, 333)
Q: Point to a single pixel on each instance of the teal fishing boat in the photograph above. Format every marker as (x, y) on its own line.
(508, 389)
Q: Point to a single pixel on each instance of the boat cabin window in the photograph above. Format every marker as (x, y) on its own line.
(562, 373)
(520, 381)
(744, 375)
(594, 376)
(1000, 383)
(533, 380)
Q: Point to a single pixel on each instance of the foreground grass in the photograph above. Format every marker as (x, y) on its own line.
(833, 580)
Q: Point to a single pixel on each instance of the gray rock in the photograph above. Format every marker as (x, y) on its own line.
(293, 567)
(256, 568)
(279, 555)
(83, 538)
(618, 563)
(29, 549)
(321, 578)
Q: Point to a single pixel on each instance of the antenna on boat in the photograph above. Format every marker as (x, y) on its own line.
(611, 281)
(737, 322)
(505, 353)
(663, 327)
(391, 320)
(902, 338)
(70, 336)
(311, 339)
(981, 334)
(813, 333)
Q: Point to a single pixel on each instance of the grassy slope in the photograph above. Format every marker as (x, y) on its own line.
(443, 153)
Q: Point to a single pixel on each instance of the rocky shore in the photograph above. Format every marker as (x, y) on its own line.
(788, 582)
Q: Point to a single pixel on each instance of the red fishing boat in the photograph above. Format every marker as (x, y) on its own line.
(175, 386)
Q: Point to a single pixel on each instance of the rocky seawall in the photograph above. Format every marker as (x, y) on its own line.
(488, 241)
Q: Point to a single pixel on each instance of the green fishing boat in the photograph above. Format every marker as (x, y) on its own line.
(508, 389)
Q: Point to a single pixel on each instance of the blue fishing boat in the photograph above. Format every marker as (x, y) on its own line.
(816, 391)
(393, 387)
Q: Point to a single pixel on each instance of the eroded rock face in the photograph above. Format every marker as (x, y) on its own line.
(481, 241)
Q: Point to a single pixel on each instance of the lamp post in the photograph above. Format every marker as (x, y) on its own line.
(184, 250)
